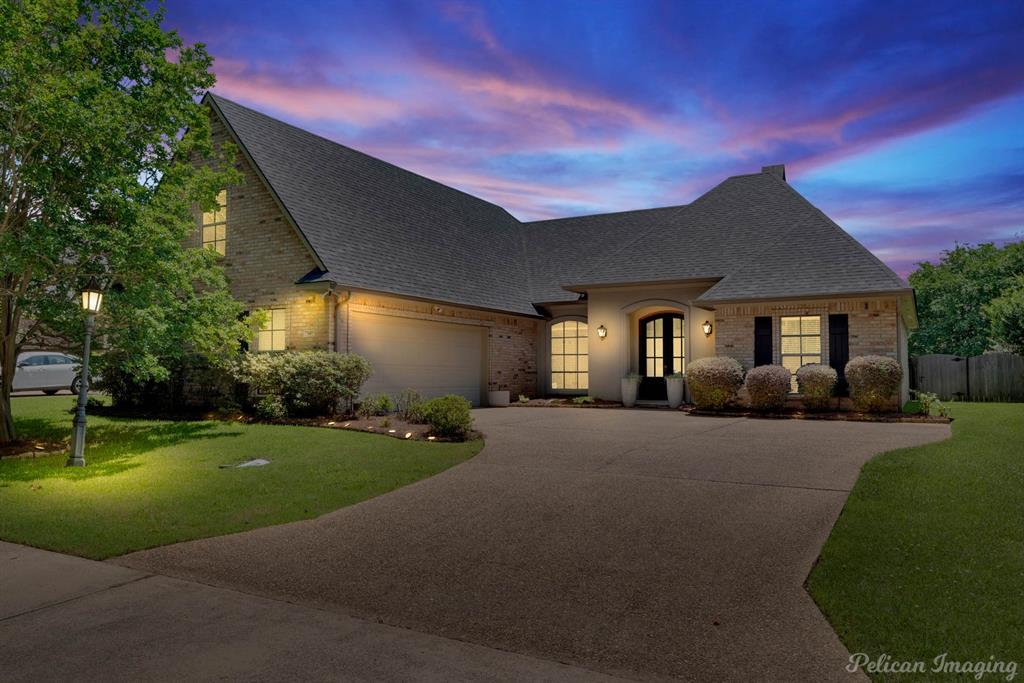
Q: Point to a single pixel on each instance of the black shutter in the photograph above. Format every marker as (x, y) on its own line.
(763, 340)
(839, 349)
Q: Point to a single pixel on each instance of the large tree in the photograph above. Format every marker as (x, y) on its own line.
(1006, 315)
(97, 181)
(954, 297)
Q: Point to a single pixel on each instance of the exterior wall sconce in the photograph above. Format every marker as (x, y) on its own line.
(602, 332)
(706, 326)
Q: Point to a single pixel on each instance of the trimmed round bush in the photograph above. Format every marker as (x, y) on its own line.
(874, 382)
(816, 383)
(714, 381)
(448, 416)
(768, 386)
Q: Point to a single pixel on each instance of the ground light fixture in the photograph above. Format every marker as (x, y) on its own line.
(92, 299)
(602, 332)
(706, 326)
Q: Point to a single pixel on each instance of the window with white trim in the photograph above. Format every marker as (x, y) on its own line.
(800, 339)
(215, 225)
(272, 335)
(569, 358)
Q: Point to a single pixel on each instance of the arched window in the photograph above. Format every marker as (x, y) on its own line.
(569, 364)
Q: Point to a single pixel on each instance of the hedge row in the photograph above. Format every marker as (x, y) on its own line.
(874, 383)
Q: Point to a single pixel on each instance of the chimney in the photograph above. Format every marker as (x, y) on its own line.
(778, 170)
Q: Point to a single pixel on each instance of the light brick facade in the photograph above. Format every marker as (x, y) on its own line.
(873, 326)
(264, 257)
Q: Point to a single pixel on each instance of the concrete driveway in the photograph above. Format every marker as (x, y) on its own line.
(636, 543)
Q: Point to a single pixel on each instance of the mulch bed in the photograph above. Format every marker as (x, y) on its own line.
(32, 448)
(562, 402)
(789, 413)
(851, 416)
(385, 426)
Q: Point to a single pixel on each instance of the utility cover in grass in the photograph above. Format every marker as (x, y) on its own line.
(258, 462)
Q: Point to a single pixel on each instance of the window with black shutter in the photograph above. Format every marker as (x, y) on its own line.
(763, 340)
(839, 349)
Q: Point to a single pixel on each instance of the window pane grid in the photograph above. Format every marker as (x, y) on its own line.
(272, 335)
(215, 227)
(800, 338)
(569, 362)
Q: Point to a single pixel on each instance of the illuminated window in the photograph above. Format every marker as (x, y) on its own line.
(801, 343)
(215, 225)
(271, 336)
(569, 363)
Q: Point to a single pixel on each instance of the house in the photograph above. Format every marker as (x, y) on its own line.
(445, 292)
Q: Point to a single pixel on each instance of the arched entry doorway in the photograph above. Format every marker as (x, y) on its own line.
(662, 352)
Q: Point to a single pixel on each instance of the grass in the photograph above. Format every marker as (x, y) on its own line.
(150, 483)
(928, 554)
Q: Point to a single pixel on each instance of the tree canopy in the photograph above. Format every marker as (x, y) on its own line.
(966, 302)
(97, 180)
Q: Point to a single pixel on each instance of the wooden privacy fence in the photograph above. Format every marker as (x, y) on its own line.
(990, 377)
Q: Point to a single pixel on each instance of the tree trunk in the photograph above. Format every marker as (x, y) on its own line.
(8, 362)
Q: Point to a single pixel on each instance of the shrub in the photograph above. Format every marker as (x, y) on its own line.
(714, 381)
(874, 382)
(376, 404)
(523, 398)
(816, 383)
(768, 386)
(409, 405)
(930, 403)
(270, 407)
(307, 382)
(448, 416)
(583, 400)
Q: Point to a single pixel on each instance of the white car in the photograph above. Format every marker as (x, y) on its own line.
(48, 372)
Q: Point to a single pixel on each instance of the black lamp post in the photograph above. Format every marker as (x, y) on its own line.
(92, 299)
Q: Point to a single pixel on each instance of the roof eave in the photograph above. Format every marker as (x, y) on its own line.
(640, 283)
(802, 297)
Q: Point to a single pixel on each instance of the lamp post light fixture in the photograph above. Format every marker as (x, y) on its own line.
(92, 299)
(602, 332)
(706, 326)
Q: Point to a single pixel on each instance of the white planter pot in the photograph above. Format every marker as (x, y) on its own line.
(629, 387)
(675, 387)
(497, 399)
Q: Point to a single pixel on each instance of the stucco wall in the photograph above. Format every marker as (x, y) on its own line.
(619, 309)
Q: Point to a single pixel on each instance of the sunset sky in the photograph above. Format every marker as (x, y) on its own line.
(902, 121)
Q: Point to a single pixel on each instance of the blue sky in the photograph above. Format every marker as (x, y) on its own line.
(902, 121)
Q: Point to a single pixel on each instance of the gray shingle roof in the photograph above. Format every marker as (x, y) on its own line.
(376, 226)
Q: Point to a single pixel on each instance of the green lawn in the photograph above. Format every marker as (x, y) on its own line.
(150, 483)
(928, 554)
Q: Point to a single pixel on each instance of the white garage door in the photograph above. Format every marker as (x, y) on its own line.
(433, 358)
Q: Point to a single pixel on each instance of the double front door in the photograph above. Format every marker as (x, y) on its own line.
(662, 353)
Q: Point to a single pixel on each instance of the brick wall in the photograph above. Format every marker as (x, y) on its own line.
(872, 326)
(511, 340)
(264, 257)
